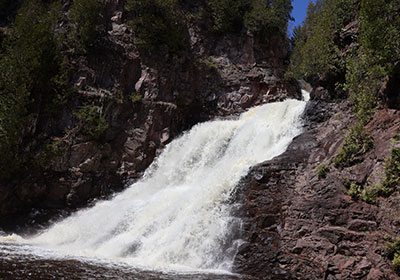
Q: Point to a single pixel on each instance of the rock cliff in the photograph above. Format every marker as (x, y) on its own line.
(302, 217)
(301, 226)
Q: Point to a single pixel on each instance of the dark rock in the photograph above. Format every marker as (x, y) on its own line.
(348, 36)
(319, 93)
(389, 91)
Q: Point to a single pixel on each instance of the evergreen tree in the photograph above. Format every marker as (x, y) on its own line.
(29, 67)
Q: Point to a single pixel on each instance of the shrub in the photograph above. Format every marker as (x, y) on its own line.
(210, 63)
(396, 261)
(84, 15)
(392, 248)
(380, 30)
(363, 79)
(390, 181)
(158, 23)
(227, 15)
(367, 193)
(391, 172)
(316, 49)
(29, 68)
(393, 252)
(136, 97)
(356, 143)
(267, 16)
(258, 16)
(50, 149)
(322, 170)
(93, 122)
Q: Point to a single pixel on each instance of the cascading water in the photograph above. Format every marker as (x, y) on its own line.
(178, 216)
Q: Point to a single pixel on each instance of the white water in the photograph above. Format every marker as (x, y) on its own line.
(178, 216)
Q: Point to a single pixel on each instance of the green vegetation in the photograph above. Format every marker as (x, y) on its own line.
(379, 49)
(210, 63)
(380, 32)
(51, 148)
(158, 24)
(93, 123)
(390, 180)
(391, 173)
(84, 16)
(359, 70)
(356, 143)
(30, 70)
(258, 16)
(136, 97)
(161, 24)
(393, 252)
(227, 15)
(316, 51)
(367, 193)
(269, 16)
(322, 170)
(35, 72)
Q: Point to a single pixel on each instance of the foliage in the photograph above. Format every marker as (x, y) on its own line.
(51, 148)
(227, 15)
(158, 23)
(362, 81)
(210, 63)
(259, 16)
(266, 16)
(368, 66)
(393, 247)
(136, 97)
(393, 252)
(316, 50)
(29, 75)
(396, 261)
(162, 23)
(356, 143)
(380, 31)
(367, 193)
(380, 48)
(93, 122)
(391, 172)
(84, 15)
(322, 170)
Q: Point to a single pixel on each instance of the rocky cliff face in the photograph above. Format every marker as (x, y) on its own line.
(301, 226)
(301, 223)
(146, 101)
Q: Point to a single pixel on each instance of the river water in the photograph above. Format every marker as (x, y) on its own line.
(24, 262)
(176, 222)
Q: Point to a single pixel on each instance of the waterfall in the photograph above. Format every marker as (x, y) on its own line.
(178, 215)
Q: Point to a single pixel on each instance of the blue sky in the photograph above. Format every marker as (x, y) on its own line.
(299, 13)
